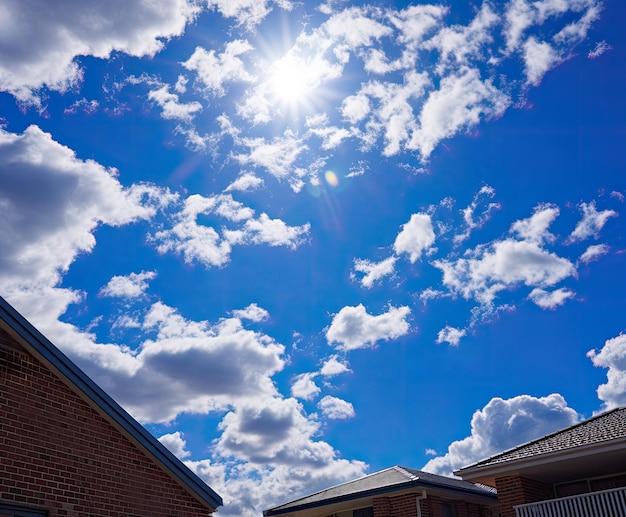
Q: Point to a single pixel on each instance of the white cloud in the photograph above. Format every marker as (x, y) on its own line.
(278, 156)
(247, 13)
(252, 313)
(271, 455)
(353, 327)
(450, 335)
(535, 228)
(172, 108)
(43, 230)
(245, 183)
(539, 57)
(336, 408)
(503, 424)
(594, 252)
(612, 356)
(87, 107)
(461, 101)
(457, 43)
(551, 299)
(333, 366)
(176, 444)
(470, 217)
(591, 223)
(205, 244)
(600, 48)
(41, 40)
(275, 232)
(374, 271)
(214, 71)
(304, 386)
(502, 264)
(128, 286)
(415, 237)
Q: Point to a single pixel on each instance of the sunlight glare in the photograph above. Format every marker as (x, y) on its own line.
(289, 81)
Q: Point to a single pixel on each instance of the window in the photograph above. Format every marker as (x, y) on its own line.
(364, 512)
(447, 509)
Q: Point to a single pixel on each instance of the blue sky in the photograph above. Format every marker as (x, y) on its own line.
(302, 242)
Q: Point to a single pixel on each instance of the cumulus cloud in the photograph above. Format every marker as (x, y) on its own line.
(212, 247)
(613, 357)
(172, 108)
(415, 237)
(176, 444)
(450, 335)
(503, 424)
(336, 408)
(594, 252)
(215, 71)
(591, 223)
(128, 286)
(43, 230)
(374, 271)
(304, 386)
(353, 327)
(41, 40)
(550, 299)
(334, 366)
(502, 264)
(247, 13)
(245, 183)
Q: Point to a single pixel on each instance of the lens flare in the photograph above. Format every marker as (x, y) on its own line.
(331, 178)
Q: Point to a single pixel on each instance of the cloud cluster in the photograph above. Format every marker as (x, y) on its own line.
(613, 357)
(41, 41)
(522, 259)
(198, 242)
(354, 327)
(43, 229)
(503, 424)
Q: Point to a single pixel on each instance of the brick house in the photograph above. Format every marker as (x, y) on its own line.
(66, 448)
(578, 471)
(395, 492)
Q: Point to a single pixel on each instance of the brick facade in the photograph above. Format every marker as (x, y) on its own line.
(59, 454)
(432, 506)
(514, 490)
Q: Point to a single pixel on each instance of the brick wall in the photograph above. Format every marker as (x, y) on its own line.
(514, 490)
(406, 506)
(57, 453)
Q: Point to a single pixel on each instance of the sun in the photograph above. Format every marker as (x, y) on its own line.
(292, 85)
(289, 81)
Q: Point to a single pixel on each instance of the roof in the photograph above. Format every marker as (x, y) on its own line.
(389, 480)
(37, 344)
(604, 431)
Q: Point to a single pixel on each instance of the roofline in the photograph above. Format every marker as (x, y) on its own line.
(51, 355)
(493, 469)
(407, 485)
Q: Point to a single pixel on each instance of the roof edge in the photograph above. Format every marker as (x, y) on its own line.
(412, 482)
(36, 341)
(486, 464)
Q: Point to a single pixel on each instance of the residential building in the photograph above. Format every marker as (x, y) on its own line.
(395, 492)
(578, 471)
(67, 449)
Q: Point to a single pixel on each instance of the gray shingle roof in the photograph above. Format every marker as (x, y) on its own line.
(604, 427)
(391, 479)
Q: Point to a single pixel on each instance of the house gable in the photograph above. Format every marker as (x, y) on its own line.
(73, 451)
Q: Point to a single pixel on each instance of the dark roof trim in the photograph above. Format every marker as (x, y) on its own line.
(104, 402)
(415, 484)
